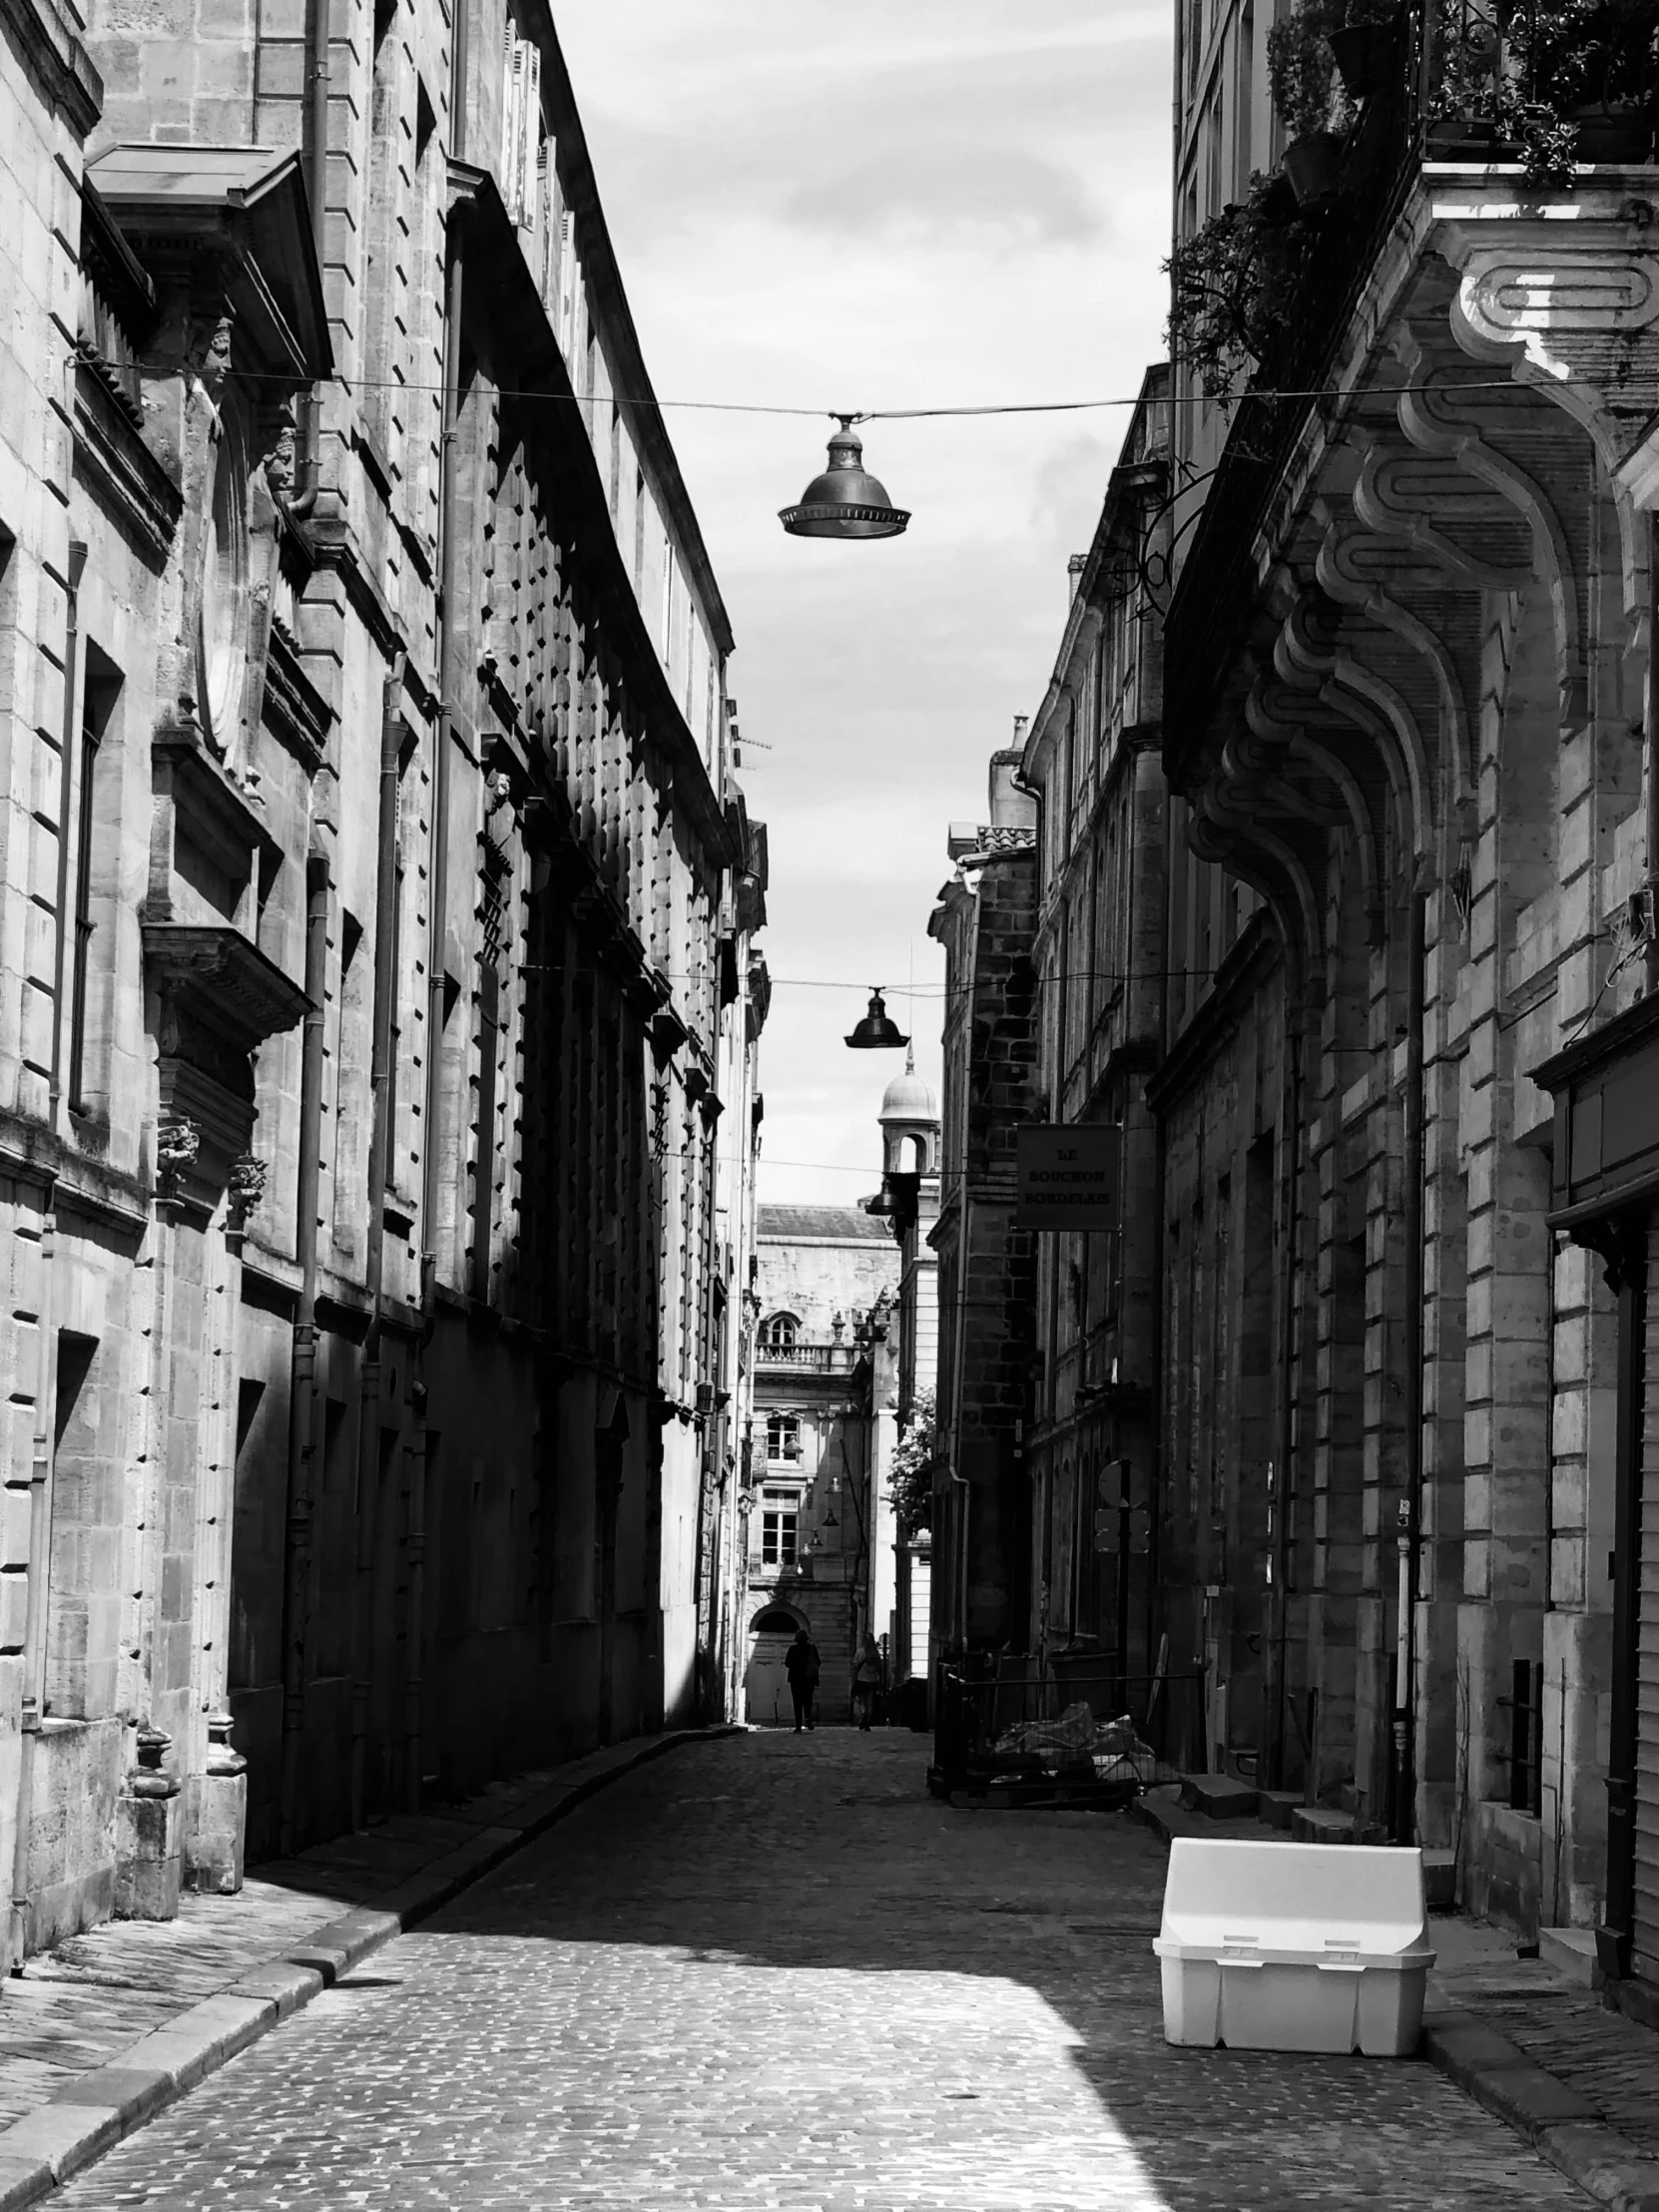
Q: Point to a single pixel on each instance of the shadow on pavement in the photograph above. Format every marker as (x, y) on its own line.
(1009, 1970)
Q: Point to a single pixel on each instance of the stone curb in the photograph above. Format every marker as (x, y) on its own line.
(1559, 2124)
(92, 2114)
(1561, 2127)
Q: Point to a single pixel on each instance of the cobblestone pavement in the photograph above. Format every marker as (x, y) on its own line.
(771, 1973)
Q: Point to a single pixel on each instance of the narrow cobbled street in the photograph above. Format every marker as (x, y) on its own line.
(771, 1971)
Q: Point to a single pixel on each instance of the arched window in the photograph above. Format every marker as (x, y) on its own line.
(777, 1334)
(783, 1437)
(776, 1622)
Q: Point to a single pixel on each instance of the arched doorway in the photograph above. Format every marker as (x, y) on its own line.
(766, 1685)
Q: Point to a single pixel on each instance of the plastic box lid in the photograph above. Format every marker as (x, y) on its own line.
(1334, 1904)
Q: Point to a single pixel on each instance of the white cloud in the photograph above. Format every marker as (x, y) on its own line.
(887, 207)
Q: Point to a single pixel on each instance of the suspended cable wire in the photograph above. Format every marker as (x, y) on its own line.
(905, 415)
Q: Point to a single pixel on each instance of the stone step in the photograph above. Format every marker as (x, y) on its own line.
(1162, 1811)
(1571, 1952)
(1320, 1823)
(1223, 1796)
(1276, 1807)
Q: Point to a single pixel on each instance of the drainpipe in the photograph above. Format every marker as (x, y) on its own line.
(379, 1152)
(71, 650)
(437, 876)
(296, 1549)
(414, 1664)
(40, 1547)
(314, 129)
(1291, 1205)
(43, 1452)
(1410, 1510)
(437, 880)
(1650, 959)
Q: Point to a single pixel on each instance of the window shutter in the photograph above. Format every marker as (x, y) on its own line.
(509, 80)
(529, 134)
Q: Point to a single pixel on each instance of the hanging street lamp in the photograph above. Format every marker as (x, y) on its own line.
(846, 501)
(877, 1032)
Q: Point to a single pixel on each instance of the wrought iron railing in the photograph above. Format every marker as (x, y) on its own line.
(1213, 597)
(1468, 80)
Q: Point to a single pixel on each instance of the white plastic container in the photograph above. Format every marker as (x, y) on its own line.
(1293, 1946)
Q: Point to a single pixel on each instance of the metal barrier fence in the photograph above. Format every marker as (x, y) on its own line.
(1073, 1730)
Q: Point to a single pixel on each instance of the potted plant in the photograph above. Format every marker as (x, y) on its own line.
(1593, 63)
(1550, 84)
(1233, 284)
(1301, 78)
(1366, 46)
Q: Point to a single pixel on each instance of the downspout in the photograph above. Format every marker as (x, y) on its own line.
(42, 1457)
(1410, 1511)
(437, 880)
(1290, 1209)
(379, 1150)
(414, 1658)
(60, 935)
(1624, 1244)
(437, 875)
(314, 126)
(44, 1443)
(1043, 1382)
(1650, 959)
(297, 1548)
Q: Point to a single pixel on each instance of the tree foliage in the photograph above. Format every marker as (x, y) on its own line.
(1233, 284)
(911, 1487)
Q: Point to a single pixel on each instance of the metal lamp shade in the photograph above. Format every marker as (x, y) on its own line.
(846, 501)
(877, 1032)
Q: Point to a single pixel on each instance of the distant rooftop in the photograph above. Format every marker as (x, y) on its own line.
(819, 1225)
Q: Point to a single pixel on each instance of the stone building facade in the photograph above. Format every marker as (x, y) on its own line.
(375, 961)
(982, 1520)
(1092, 759)
(826, 1399)
(1407, 663)
(908, 1201)
(1396, 1091)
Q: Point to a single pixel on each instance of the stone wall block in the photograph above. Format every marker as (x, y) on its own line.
(148, 1862)
(1477, 1432)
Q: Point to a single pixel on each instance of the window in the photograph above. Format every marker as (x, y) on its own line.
(354, 1051)
(783, 1437)
(780, 1513)
(97, 707)
(778, 1335)
(520, 125)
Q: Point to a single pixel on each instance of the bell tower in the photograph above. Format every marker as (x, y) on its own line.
(909, 1118)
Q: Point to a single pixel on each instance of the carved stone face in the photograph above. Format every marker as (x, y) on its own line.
(222, 634)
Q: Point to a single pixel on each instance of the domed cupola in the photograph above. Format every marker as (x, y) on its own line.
(909, 1110)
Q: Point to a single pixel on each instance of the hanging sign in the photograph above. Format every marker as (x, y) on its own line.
(1067, 1177)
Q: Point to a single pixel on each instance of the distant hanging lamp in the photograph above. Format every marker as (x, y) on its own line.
(877, 1032)
(846, 501)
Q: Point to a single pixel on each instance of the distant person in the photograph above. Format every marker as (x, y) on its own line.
(801, 1664)
(867, 1680)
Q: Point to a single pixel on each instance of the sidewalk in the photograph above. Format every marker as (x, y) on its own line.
(99, 2034)
(1577, 2081)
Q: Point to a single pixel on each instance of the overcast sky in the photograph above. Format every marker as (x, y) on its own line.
(891, 204)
